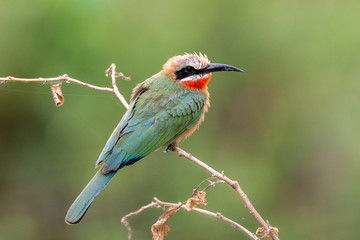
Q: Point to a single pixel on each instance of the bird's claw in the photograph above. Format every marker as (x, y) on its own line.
(171, 147)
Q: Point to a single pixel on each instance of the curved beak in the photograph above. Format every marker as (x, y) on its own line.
(217, 67)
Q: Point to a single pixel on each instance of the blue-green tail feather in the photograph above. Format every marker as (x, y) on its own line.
(86, 197)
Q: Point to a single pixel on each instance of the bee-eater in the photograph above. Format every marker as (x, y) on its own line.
(164, 109)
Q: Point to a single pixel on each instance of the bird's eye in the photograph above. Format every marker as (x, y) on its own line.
(189, 69)
(185, 71)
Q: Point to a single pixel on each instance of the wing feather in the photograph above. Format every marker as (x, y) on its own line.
(154, 120)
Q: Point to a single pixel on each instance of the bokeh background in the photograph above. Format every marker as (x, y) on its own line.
(287, 128)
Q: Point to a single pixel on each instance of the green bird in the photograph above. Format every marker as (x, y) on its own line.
(164, 109)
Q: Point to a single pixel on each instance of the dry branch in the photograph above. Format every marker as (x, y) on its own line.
(125, 220)
(265, 231)
(160, 225)
(112, 70)
(67, 79)
(235, 185)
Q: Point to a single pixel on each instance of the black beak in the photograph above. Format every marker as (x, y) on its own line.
(217, 67)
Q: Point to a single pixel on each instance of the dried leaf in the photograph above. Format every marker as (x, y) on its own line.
(57, 94)
(197, 199)
(160, 229)
(159, 233)
(264, 234)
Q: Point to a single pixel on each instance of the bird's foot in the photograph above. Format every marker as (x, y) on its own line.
(171, 147)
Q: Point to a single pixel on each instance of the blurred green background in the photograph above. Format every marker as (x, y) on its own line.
(287, 128)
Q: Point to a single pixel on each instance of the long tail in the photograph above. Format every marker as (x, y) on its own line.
(84, 200)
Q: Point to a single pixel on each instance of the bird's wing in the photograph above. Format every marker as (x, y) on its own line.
(153, 120)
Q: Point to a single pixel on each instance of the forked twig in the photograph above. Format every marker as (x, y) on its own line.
(62, 78)
(235, 185)
(160, 204)
(125, 220)
(112, 71)
(65, 78)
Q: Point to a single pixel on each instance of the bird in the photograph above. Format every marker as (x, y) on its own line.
(164, 109)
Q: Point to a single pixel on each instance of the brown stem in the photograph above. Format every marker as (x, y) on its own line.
(64, 77)
(234, 184)
(114, 74)
(157, 204)
(125, 220)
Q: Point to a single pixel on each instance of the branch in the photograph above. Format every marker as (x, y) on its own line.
(212, 214)
(125, 220)
(67, 79)
(114, 74)
(270, 232)
(212, 184)
(160, 225)
(61, 78)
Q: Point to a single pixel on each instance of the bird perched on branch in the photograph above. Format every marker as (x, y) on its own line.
(164, 109)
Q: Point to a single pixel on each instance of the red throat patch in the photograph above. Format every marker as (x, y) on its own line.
(197, 84)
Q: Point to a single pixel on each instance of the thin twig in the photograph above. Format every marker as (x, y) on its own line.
(62, 78)
(225, 219)
(216, 215)
(125, 220)
(114, 74)
(235, 185)
(158, 204)
(212, 184)
(65, 78)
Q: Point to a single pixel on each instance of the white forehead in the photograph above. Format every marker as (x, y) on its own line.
(198, 61)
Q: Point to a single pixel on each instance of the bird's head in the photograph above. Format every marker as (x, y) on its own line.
(193, 71)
